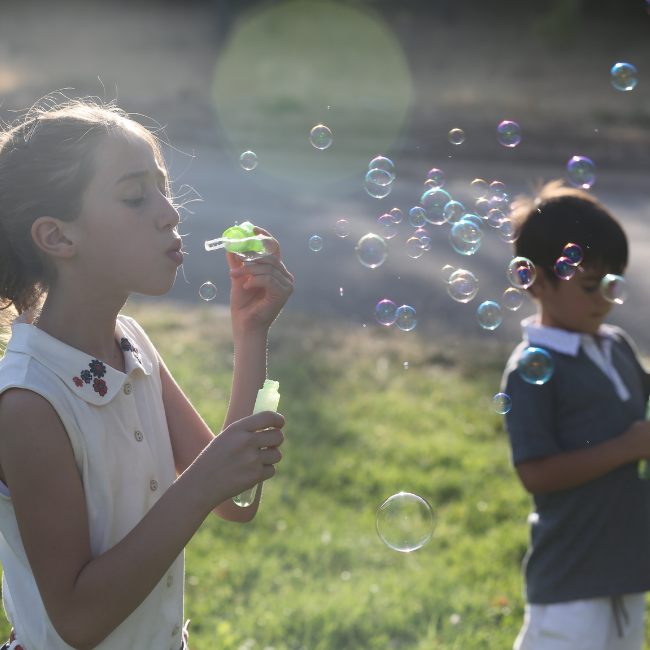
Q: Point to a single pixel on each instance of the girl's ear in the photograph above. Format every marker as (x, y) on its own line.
(49, 234)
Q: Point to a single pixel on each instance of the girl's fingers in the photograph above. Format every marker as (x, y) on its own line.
(281, 274)
(269, 283)
(260, 231)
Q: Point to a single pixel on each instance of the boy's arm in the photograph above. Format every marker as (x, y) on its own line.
(571, 468)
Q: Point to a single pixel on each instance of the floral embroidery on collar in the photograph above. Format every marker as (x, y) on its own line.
(127, 347)
(98, 370)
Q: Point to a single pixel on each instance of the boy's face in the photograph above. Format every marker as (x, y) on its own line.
(576, 304)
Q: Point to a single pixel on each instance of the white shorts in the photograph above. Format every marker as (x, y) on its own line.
(584, 625)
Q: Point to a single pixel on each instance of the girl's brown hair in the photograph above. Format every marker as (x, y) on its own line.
(46, 164)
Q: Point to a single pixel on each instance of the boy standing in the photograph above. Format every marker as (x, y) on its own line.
(577, 438)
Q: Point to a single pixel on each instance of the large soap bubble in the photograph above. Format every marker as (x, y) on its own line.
(614, 289)
(581, 172)
(489, 315)
(434, 202)
(509, 134)
(623, 76)
(536, 366)
(320, 137)
(405, 522)
(372, 250)
(462, 285)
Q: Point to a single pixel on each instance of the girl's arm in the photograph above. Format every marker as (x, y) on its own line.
(86, 598)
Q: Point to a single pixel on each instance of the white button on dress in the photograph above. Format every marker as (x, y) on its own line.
(127, 389)
(170, 581)
(153, 485)
(139, 436)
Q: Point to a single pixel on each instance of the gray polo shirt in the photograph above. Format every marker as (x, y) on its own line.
(594, 539)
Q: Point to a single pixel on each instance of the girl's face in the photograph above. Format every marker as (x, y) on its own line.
(128, 241)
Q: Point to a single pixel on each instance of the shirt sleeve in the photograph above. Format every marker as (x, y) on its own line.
(530, 421)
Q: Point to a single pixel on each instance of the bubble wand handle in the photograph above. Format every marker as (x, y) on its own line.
(268, 399)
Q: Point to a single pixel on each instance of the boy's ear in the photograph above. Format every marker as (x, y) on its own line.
(541, 286)
(50, 235)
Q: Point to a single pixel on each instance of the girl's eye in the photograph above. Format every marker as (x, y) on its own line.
(134, 203)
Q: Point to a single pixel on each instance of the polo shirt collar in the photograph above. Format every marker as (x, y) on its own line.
(87, 377)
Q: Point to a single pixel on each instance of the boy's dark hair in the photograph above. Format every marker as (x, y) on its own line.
(561, 214)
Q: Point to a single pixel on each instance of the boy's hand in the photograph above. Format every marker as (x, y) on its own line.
(259, 291)
(239, 458)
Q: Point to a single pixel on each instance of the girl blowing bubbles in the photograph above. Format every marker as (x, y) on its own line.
(107, 470)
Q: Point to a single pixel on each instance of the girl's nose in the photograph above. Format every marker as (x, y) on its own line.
(168, 217)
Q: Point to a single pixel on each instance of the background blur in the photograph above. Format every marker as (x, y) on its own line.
(388, 78)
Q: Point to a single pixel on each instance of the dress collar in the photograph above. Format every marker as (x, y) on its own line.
(87, 377)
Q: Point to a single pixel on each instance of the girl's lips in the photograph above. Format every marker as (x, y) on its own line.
(175, 256)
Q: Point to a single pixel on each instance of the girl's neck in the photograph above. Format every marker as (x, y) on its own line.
(86, 324)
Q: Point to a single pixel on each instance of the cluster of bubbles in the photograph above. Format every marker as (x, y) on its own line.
(568, 262)
(388, 313)
(379, 178)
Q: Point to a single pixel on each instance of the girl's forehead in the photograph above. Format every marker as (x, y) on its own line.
(118, 155)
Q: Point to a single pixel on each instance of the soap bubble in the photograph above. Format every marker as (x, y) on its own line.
(414, 247)
(453, 211)
(521, 272)
(573, 252)
(488, 315)
(462, 246)
(509, 134)
(434, 202)
(423, 236)
(456, 136)
(495, 217)
(564, 268)
(375, 190)
(248, 160)
(446, 272)
(536, 366)
(497, 188)
(341, 292)
(207, 291)
(482, 207)
(581, 172)
(397, 215)
(385, 312)
(385, 164)
(372, 250)
(417, 217)
(509, 230)
(512, 299)
(614, 288)
(462, 285)
(342, 228)
(320, 136)
(406, 318)
(500, 202)
(502, 403)
(405, 522)
(468, 231)
(379, 177)
(437, 178)
(387, 226)
(315, 243)
(478, 188)
(623, 76)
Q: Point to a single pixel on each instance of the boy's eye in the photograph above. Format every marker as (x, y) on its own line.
(590, 288)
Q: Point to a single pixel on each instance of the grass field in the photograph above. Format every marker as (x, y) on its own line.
(310, 573)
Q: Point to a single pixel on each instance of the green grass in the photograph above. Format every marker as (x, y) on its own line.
(359, 429)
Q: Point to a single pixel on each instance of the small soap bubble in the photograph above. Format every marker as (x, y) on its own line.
(437, 178)
(385, 312)
(502, 403)
(500, 202)
(564, 268)
(414, 247)
(423, 236)
(495, 217)
(509, 230)
(446, 272)
(573, 252)
(379, 177)
(454, 211)
(456, 136)
(468, 231)
(248, 160)
(372, 250)
(342, 228)
(509, 134)
(521, 272)
(386, 226)
(385, 164)
(614, 289)
(488, 315)
(581, 172)
(397, 215)
(434, 202)
(482, 207)
(375, 190)
(405, 522)
(315, 243)
(512, 299)
(623, 76)
(406, 318)
(320, 136)
(462, 285)
(341, 292)
(536, 366)
(478, 188)
(417, 217)
(208, 291)
(497, 188)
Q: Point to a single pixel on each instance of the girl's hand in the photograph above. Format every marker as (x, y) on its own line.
(259, 291)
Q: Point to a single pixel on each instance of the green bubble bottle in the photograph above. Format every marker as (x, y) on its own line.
(243, 241)
(267, 400)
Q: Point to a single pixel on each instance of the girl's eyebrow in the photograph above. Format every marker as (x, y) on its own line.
(139, 174)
